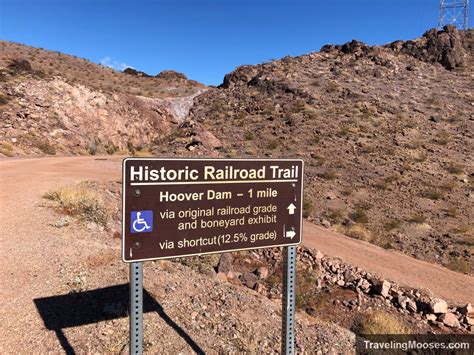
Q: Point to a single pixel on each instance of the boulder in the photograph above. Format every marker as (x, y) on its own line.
(407, 303)
(450, 320)
(438, 305)
(262, 272)
(207, 139)
(249, 279)
(131, 71)
(466, 309)
(171, 75)
(431, 317)
(221, 276)
(444, 47)
(225, 263)
(381, 287)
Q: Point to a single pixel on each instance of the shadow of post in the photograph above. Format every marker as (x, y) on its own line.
(81, 308)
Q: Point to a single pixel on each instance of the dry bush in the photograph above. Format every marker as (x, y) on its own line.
(6, 149)
(359, 215)
(433, 194)
(417, 219)
(455, 168)
(273, 144)
(78, 201)
(459, 265)
(335, 216)
(329, 174)
(142, 153)
(358, 231)
(381, 322)
(307, 207)
(307, 297)
(392, 224)
(3, 99)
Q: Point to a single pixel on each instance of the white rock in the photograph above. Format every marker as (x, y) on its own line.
(438, 305)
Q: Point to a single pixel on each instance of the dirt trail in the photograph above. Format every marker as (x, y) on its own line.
(31, 253)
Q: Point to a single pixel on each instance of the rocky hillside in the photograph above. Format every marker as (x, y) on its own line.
(52, 103)
(385, 132)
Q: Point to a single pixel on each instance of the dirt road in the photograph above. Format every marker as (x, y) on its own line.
(32, 254)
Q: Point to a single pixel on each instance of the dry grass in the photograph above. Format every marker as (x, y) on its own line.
(381, 322)
(78, 201)
(359, 215)
(329, 174)
(307, 207)
(459, 265)
(358, 231)
(6, 149)
(142, 153)
(433, 194)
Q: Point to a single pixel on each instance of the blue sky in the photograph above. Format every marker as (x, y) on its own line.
(205, 39)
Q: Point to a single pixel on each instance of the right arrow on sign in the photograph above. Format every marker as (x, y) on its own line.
(291, 208)
(290, 234)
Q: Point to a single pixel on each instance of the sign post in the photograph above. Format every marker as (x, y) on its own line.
(288, 301)
(136, 308)
(183, 207)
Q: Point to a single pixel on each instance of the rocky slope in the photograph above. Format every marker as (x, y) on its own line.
(385, 132)
(57, 104)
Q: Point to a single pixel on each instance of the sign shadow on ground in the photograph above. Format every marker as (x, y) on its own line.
(87, 307)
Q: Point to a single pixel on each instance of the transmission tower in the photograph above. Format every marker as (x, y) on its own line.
(454, 12)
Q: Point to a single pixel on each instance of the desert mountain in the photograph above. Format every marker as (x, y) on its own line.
(385, 131)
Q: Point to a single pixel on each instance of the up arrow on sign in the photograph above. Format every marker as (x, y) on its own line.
(291, 208)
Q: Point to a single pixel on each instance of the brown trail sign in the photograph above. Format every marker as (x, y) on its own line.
(183, 207)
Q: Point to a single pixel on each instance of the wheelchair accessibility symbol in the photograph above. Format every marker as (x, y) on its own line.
(141, 221)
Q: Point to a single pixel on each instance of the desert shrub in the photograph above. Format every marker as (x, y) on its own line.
(3, 99)
(359, 215)
(459, 265)
(442, 138)
(328, 174)
(307, 297)
(6, 149)
(249, 136)
(46, 147)
(417, 218)
(335, 216)
(111, 148)
(433, 194)
(298, 106)
(432, 100)
(358, 231)
(392, 224)
(455, 168)
(78, 201)
(92, 147)
(332, 86)
(142, 153)
(380, 322)
(307, 207)
(451, 212)
(273, 144)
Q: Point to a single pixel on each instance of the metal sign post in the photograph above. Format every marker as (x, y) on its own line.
(288, 301)
(136, 308)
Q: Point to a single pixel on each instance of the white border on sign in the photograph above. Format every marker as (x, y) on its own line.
(212, 252)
